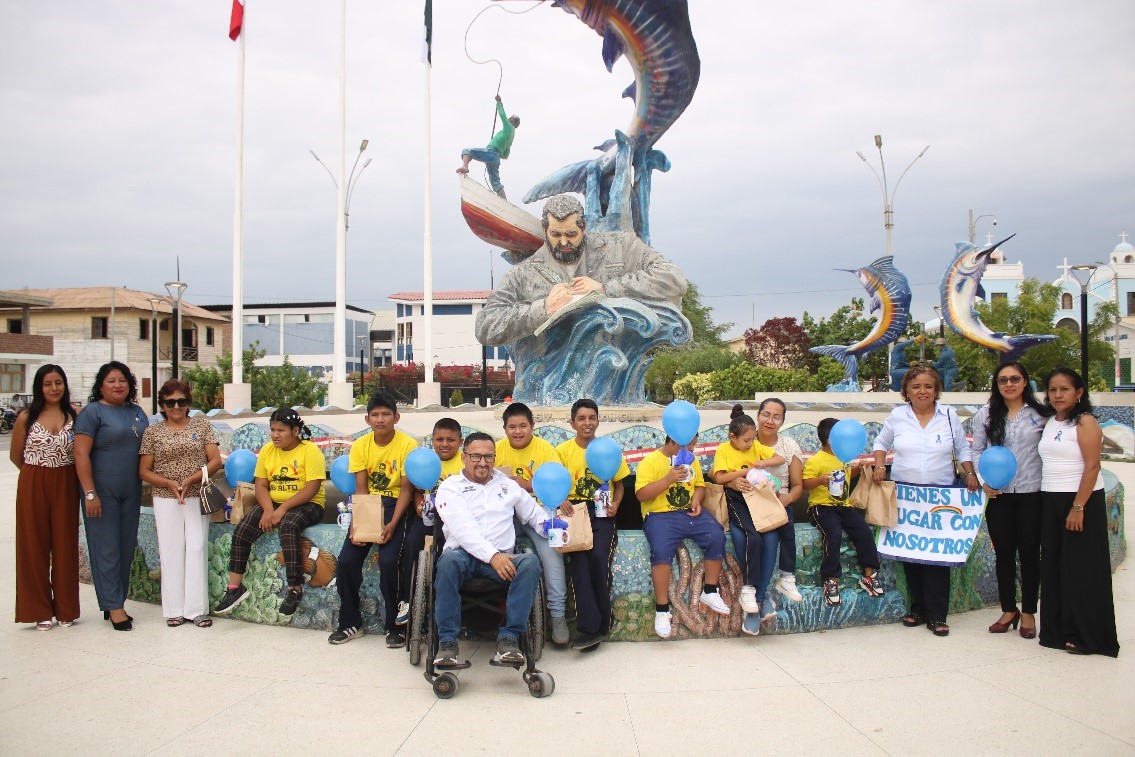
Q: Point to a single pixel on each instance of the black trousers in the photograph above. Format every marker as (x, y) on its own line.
(1077, 604)
(929, 587)
(1014, 528)
(349, 580)
(416, 532)
(833, 521)
(591, 575)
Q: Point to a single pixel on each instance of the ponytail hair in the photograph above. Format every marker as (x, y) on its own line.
(290, 418)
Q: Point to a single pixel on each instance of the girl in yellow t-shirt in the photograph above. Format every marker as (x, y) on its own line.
(289, 496)
(757, 551)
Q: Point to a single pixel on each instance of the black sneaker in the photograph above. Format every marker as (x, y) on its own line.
(232, 598)
(291, 602)
(508, 653)
(395, 639)
(343, 635)
(586, 642)
(831, 592)
(446, 656)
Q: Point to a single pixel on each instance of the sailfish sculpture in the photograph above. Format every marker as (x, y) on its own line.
(961, 285)
(889, 293)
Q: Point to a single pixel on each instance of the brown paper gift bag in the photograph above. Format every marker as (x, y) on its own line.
(243, 501)
(366, 517)
(765, 509)
(579, 535)
(879, 500)
(713, 502)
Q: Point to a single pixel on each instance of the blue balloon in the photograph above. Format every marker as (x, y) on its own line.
(848, 439)
(343, 479)
(423, 468)
(680, 420)
(240, 467)
(604, 456)
(552, 483)
(998, 466)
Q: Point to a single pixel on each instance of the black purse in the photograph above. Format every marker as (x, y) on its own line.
(213, 500)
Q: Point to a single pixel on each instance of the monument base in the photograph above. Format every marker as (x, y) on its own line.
(429, 393)
(238, 397)
(341, 394)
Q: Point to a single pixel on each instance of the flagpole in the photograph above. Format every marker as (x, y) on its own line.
(238, 395)
(429, 391)
(340, 392)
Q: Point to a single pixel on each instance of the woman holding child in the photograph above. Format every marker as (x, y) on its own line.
(770, 417)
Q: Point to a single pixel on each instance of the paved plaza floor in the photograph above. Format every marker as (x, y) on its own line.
(238, 687)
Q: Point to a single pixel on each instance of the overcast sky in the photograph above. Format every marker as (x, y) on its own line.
(118, 133)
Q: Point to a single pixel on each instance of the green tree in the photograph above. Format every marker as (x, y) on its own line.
(847, 325)
(672, 364)
(706, 332)
(272, 386)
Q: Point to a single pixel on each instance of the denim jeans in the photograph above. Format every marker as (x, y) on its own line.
(555, 574)
(492, 160)
(456, 566)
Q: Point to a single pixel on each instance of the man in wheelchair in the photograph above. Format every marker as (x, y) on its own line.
(476, 508)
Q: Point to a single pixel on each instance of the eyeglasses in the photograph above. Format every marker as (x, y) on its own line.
(1006, 380)
(767, 416)
(476, 458)
(179, 402)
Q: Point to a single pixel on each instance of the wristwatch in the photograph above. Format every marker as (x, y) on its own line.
(1077, 508)
(90, 496)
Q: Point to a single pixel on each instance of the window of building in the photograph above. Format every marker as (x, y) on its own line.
(144, 329)
(15, 325)
(11, 378)
(998, 297)
(1066, 301)
(163, 325)
(208, 336)
(1131, 303)
(100, 327)
(453, 310)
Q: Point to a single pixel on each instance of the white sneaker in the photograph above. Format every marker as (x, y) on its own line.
(786, 585)
(714, 602)
(402, 617)
(662, 624)
(749, 599)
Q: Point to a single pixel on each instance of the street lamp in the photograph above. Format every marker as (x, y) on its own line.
(973, 224)
(1088, 269)
(176, 289)
(888, 200)
(941, 322)
(154, 352)
(344, 191)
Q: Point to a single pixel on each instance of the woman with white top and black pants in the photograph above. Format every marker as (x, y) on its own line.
(926, 437)
(1077, 611)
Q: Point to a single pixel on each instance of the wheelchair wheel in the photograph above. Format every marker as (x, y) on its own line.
(541, 684)
(534, 636)
(418, 629)
(445, 686)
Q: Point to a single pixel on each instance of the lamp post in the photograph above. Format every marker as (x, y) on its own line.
(362, 361)
(941, 322)
(154, 353)
(344, 187)
(1088, 269)
(888, 199)
(973, 224)
(176, 289)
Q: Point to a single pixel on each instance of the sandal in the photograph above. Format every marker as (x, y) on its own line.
(203, 621)
(43, 625)
(175, 622)
(1071, 648)
(938, 628)
(910, 620)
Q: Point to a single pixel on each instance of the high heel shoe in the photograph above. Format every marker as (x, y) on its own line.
(1013, 622)
(1028, 632)
(124, 625)
(106, 615)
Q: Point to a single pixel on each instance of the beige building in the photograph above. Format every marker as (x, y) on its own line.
(89, 326)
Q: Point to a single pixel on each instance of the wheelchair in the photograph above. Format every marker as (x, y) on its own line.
(477, 594)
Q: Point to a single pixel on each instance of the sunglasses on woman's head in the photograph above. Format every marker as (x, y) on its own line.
(1003, 380)
(179, 402)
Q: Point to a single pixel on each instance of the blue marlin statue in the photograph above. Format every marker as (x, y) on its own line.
(656, 39)
(890, 295)
(961, 284)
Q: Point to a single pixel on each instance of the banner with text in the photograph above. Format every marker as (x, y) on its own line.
(937, 525)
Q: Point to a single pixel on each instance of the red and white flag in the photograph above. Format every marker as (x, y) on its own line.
(236, 20)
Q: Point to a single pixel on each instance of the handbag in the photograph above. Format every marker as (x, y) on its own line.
(580, 537)
(880, 501)
(959, 472)
(367, 518)
(213, 500)
(765, 509)
(713, 502)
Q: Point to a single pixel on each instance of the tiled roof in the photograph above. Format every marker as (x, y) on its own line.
(450, 295)
(383, 320)
(99, 298)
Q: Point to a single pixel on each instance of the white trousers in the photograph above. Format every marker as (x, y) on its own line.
(183, 546)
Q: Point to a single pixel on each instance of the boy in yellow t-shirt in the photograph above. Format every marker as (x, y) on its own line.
(519, 455)
(828, 481)
(670, 491)
(591, 570)
(755, 551)
(378, 460)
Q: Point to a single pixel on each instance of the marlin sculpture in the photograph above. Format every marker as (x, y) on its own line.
(656, 38)
(961, 284)
(890, 294)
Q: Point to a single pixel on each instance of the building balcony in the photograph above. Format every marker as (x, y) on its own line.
(26, 344)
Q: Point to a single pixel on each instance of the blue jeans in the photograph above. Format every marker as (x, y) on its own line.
(555, 574)
(755, 551)
(492, 160)
(456, 566)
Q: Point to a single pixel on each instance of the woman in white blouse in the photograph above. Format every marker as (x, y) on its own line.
(926, 437)
(1014, 419)
(1077, 611)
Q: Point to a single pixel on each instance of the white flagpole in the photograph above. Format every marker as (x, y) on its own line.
(238, 233)
(428, 260)
(339, 372)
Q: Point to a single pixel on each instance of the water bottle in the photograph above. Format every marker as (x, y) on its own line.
(837, 482)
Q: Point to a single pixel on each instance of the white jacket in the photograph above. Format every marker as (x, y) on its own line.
(479, 517)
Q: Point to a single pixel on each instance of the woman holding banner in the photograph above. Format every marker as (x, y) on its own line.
(1078, 612)
(1014, 419)
(926, 437)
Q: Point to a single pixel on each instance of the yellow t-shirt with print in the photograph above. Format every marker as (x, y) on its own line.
(819, 464)
(584, 482)
(383, 463)
(288, 470)
(522, 463)
(679, 496)
(448, 468)
(728, 458)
